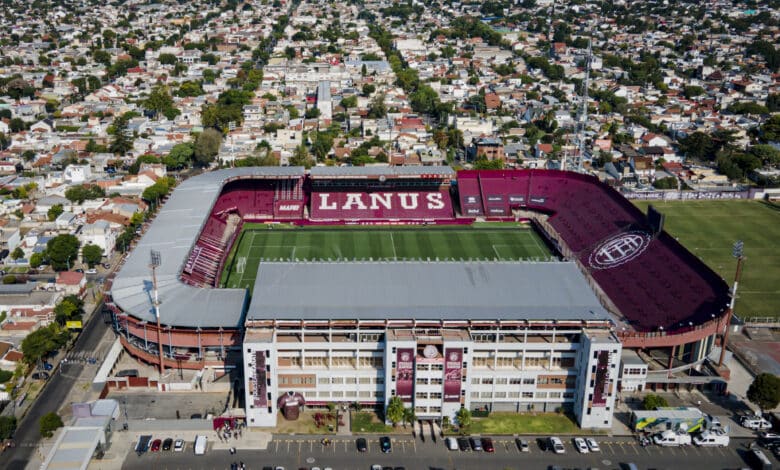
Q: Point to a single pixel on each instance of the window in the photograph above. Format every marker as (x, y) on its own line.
(323, 381)
(371, 362)
(500, 395)
(515, 381)
(315, 361)
(351, 393)
(485, 394)
(324, 394)
(540, 395)
(501, 381)
(337, 394)
(379, 380)
(435, 381)
(475, 381)
(487, 381)
(421, 381)
(365, 394)
(422, 367)
(337, 380)
(529, 381)
(505, 362)
(365, 380)
(474, 394)
(514, 394)
(555, 394)
(351, 380)
(435, 395)
(421, 395)
(479, 362)
(437, 366)
(528, 394)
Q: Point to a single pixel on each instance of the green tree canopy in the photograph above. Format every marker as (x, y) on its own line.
(463, 418)
(764, 392)
(36, 259)
(17, 254)
(395, 410)
(207, 146)
(62, 250)
(78, 194)
(652, 401)
(50, 422)
(7, 426)
(43, 341)
(70, 308)
(91, 254)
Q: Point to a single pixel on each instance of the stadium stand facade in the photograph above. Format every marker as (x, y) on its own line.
(635, 288)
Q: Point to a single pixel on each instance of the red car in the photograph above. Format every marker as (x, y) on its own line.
(156, 445)
(487, 444)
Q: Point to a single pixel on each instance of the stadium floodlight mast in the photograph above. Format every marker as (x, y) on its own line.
(155, 260)
(738, 252)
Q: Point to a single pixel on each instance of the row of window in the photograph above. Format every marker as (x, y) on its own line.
(527, 395)
(366, 394)
(351, 380)
(320, 362)
(424, 381)
(503, 381)
(427, 395)
(517, 362)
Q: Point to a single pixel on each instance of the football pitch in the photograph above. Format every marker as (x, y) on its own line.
(284, 243)
(710, 228)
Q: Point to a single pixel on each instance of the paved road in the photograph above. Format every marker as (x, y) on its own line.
(51, 399)
(295, 453)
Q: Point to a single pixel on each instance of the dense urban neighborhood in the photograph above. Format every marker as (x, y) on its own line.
(109, 109)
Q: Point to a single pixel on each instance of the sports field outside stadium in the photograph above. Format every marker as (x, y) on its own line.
(482, 242)
(709, 229)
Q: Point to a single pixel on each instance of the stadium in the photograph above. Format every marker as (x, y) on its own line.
(497, 290)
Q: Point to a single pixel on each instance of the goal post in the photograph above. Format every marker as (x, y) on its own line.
(241, 264)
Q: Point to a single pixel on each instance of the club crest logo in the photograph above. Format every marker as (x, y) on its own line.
(619, 249)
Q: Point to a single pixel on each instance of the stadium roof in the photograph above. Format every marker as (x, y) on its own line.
(424, 290)
(173, 234)
(368, 171)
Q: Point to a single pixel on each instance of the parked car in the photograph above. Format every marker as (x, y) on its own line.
(557, 445)
(487, 444)
(385, 445)
(755, 422)
(463, 444)
(156, 445)
(47, 366)
(579, 444)
(178, 446)
(106, 266)
(476, 444)
(40, 376)
(544, 444)
(167, 444)
(451, 443)
(127, 373)
(362, 445)
(522, 445)
(593, 446)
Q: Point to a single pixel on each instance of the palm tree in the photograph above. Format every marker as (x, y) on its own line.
(409, 416)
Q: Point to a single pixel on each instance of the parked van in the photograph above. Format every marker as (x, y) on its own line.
(670, 438)
(200, 445)
(711, 439)
(755, 422)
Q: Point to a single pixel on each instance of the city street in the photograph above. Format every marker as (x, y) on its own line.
(54, 395)
(306, 452)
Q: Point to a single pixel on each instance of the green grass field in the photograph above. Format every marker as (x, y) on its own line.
(710, 228)
(258, 242)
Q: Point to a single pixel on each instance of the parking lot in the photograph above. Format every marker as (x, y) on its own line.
(307, 452)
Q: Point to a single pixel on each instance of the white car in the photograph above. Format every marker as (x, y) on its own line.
(178, 446)
(452, 443)
(593, 446)
(376, 467)
(579, 444)
(557, 445)
(756, 423)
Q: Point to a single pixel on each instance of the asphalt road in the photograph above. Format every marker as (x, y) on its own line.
(412, 454)
(53, 396)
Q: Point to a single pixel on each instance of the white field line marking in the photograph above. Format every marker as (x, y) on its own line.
(392, 243)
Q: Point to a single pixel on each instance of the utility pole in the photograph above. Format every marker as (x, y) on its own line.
(582, 115)
(155, 263)
(737, 252)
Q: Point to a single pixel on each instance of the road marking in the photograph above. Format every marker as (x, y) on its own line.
(392, 243)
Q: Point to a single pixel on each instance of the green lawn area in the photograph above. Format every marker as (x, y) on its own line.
(366, 421)
(710, 228)
(257, 243)
(525, 423)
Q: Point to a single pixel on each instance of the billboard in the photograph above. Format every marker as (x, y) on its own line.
(261, 399)
(73, 324)
(601, 387)
(453, 362)
(404, 374)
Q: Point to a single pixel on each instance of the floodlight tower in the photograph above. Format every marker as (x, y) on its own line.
(582, 115)
(738, 252)
(154, 264)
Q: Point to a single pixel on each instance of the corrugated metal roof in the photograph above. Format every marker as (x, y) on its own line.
(424, 290)
(347, 171)
(173, 233)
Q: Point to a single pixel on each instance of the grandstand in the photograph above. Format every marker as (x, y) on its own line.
(649, 291)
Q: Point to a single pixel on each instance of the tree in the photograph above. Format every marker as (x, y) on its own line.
(54, 211)
(764, 392)
(766, 153)
(7, 426)
(368, 88)
(409, 416)
(301, 157)
(652, 401)
(70, 308)
(349, 102)
(61, 250)
(50, 422)
(17, 254)
(395, 410)
(463, 418)
(43, 341)
(36, 259)
(699, 146)
(123, 140)
(207, 146)
(180, 156)
(482, 163)
(91, 254)
(159, 100)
